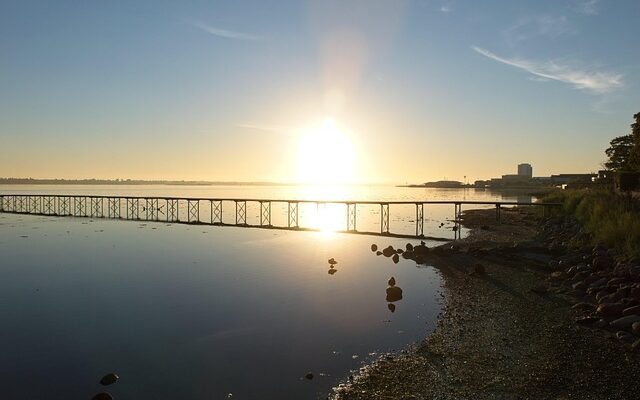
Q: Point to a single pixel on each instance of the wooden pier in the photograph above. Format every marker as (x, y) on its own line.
(191, 210)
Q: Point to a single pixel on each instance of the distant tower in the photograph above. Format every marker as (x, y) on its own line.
(525, 170)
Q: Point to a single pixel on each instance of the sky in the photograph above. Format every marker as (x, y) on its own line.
(288, 91)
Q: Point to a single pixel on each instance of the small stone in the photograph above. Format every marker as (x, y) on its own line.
(395, 258)
(378, 253)
(624, 336)
(309, 376)
(409, 247)
(631, 311)
(374, 247)
(332, 261)
(625, 322)
(392, 281)
(109, 379)
(610, 309)
(579, 286)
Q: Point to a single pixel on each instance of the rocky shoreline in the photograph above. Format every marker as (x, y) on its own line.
(530, 312)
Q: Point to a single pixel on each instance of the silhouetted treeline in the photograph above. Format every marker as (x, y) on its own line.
(624, 151)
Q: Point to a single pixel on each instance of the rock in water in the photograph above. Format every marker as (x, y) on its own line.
(102, 396)
(392, 281)
(374, 247)
(378, 253)
(394, 293)
(388, 251)
(332, 261)
(409, 247)
(396, 258)
(109, 379)
(391, 307)
(309, 376)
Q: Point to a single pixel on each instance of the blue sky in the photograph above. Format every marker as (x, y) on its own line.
(424, 89)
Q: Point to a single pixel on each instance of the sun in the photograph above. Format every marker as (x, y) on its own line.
(325, 155)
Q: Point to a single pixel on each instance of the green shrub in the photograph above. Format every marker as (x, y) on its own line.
(612, 219)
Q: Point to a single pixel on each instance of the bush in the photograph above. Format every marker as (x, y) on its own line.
(612, 219)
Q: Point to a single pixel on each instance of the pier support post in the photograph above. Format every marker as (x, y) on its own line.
(419, 219)
(265, 213)
(241, 212)
(351, 217)
(498, 212)
(193, 211)
(113, 207)
(292, 214)
(172, 210)
(96, 207)
(384, 218)
(216, 212)
(132, 208)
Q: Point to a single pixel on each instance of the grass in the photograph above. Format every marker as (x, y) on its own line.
(611, 219)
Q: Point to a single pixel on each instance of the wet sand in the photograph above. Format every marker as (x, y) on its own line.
(502, 334)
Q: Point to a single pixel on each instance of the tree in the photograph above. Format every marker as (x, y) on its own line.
(620, 153)
(635, 152)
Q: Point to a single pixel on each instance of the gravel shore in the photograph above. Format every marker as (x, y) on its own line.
(503, 334)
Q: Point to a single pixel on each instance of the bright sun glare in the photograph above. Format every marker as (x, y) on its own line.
(325, 155)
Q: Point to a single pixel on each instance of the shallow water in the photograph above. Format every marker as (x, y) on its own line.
(201, 312)
(195, 312)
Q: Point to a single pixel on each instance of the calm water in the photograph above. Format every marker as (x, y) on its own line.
(198, 312)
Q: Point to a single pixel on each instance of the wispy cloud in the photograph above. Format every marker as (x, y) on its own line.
(265, 127)
(588, 7)
(225, 33)
(594, 81)
(531, 27)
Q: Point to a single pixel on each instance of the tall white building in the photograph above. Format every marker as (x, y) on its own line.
(525, 170)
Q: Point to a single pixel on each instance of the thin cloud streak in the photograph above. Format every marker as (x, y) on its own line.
(598, 82)
(226, 34)
(588, 7)
(265, 128)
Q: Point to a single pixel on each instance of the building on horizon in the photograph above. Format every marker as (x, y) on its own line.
(525, 170)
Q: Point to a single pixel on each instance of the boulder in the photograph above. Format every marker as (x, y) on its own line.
(635, 310)
(625, 322)
(610, 310)
(109, 379)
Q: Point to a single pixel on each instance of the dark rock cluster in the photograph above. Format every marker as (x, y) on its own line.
(605, 285)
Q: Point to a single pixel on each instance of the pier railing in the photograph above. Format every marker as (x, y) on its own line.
(190, 210)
